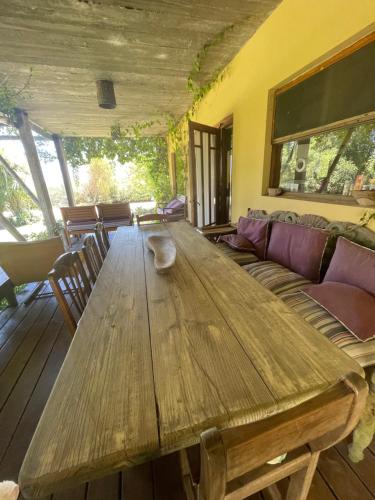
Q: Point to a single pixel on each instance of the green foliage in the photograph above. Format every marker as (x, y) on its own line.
(14, 199)
(10, 98)
(101, 185)
(148, 154)
(358, 157)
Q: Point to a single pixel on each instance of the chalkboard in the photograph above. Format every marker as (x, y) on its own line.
(342, 90)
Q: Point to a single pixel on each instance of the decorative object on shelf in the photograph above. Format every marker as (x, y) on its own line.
(164, 251)
(275, 191)
(364, 198)
(106, 94)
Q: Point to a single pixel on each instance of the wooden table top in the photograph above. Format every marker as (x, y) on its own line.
(158, 358)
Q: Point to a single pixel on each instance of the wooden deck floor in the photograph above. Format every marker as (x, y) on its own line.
(33, 344)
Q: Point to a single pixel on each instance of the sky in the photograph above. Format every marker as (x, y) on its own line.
(14, 153)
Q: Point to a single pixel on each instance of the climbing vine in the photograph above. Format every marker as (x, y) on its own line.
(10, 98)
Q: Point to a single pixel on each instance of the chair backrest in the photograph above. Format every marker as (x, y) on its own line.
(92, 257)
(110, 211)
(102, 239)
(83, 213)
(152, 218)
(29, 261)
(68, 278)
(233, 462)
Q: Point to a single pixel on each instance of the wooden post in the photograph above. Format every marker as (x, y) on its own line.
(27, 139)
(10, 228)
(9, 170)
(64, 169)
(173, 173)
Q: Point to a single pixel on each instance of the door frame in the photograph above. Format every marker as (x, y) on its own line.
(192, 166)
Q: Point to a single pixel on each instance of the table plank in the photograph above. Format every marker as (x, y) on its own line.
(203, 377)
(101, 413)
(294, 361)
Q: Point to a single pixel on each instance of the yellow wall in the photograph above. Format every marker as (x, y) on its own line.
(297, 33)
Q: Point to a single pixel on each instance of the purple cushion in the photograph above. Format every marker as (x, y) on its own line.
(176, 203)
(352, 264)
(353, 307)
(299, 248)
(256, 231)
(238, 242)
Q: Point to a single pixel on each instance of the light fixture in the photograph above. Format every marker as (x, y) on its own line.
(106, 94)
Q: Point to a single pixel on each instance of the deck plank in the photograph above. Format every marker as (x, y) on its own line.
(17, 324)
(15, 453)
(137, 483)
(365, 469)
(343, 481)
(15, 364)
(108, 487)
(22, 390)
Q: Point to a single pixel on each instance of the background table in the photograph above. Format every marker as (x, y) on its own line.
(157, 359)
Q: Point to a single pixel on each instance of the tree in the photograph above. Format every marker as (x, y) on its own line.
(149, 154)
(101, 184)
(13, 197)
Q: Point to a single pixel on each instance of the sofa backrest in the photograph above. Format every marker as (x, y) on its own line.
(299, 248)
(351, 231)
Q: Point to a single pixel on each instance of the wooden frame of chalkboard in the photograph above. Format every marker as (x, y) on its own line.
(274, 142)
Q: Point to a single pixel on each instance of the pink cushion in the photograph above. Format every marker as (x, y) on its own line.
(238, 242)
(256, 231)
(353, 307)
(299, 248)
(352, 264)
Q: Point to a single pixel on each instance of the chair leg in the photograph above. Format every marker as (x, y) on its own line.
(300, 482)
(33, 294)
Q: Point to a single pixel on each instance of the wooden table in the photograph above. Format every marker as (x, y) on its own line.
(157, 359)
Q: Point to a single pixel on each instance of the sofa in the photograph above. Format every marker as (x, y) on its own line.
(300, 259)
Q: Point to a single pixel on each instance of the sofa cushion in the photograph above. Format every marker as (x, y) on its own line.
(299, 248)
(325, 323)
(351, 305)
(256, 231)
(241, 258)
(352, 264)
(275, 277)
(238, 242)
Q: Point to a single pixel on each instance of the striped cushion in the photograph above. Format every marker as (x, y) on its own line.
(319, 318)
(276, 277)
(240, 258)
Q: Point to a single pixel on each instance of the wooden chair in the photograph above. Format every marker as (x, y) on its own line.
(102, 239)
(114, 215)
(92, 257)
(68, 278)
(232, 464)
(79, 220)
(162, 218)
(29, 262)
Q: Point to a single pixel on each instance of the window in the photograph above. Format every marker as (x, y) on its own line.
(332, 162)
(323, 137)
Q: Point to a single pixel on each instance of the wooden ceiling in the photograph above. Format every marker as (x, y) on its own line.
(147, 47)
